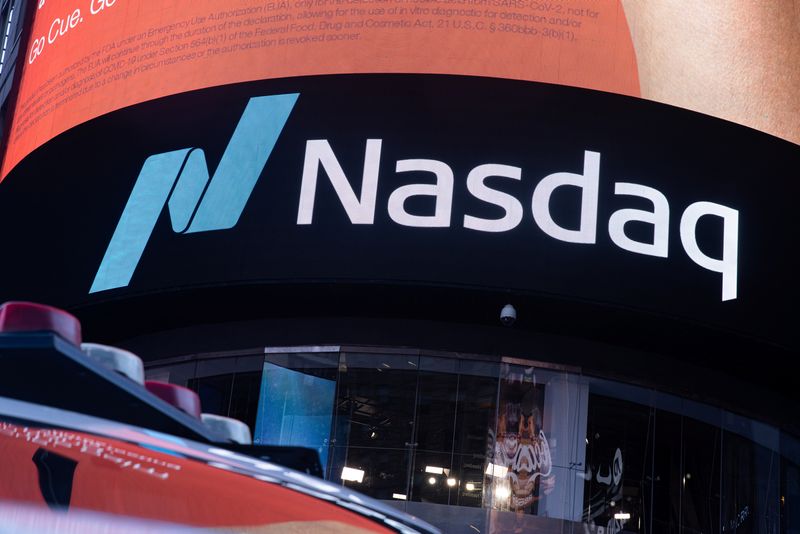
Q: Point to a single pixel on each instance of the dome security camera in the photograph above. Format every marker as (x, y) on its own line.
(508, 315)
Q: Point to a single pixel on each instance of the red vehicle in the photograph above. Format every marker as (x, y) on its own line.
(60, 461)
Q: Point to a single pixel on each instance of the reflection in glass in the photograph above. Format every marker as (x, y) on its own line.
(374, 429)
(434, 479)
(700, 477)
(484, 446)
(520, 470)
(618, 439)
(384, 471)
(474, 430)
(750, 497)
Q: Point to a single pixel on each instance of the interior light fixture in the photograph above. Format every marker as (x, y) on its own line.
(499, 471)
(502, 492)
(352, 474)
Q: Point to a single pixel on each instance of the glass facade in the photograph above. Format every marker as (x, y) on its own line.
(472, 445)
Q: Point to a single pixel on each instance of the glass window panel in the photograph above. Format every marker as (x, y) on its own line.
(790, 497)
(750, 487)
(376, 400)
(436, 411)
(676, 466)
(475, 432)
(700, 479)
(244, 398)
(563, 441)
(667, 477)
(468, 470)
(383, 472)
(214, 392)
(617, 468)
(520, 459)
(433, 478)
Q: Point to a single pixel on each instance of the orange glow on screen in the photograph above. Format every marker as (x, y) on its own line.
(86, 58)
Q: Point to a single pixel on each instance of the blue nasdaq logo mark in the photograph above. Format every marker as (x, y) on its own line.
(197, 202)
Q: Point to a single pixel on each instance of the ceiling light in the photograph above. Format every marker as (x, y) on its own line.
(352, 474)
(498, 471)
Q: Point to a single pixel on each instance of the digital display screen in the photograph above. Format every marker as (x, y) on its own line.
(86, 58)
(295, 409)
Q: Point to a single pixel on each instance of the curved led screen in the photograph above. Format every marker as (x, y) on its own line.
(86, 58)
(546, 190)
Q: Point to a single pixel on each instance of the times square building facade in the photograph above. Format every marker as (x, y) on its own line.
(499, 302)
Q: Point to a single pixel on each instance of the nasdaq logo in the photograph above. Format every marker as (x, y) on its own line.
(197, 202)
